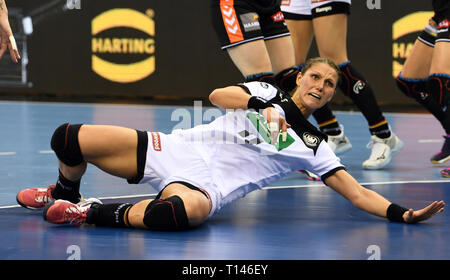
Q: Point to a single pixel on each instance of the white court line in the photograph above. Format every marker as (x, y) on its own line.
(105, 197)
(46, 152)
(7, 153)
(14, 153)
(363, 184)
(276, 187)
(429, 140)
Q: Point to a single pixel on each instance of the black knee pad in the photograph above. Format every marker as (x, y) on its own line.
(439, 88)
(287, 79)
(418, 90)
(413, 88)
(355, 86)
(266, 77)
(352, 83)
(65, 144)
(166, 214)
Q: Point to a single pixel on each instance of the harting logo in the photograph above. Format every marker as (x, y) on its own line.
(404, 32)
(123, 45)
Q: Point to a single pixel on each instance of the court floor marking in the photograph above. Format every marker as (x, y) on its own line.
(12, 153)
(276, 187)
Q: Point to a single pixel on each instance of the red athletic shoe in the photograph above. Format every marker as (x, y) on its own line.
(35, 198)
(66, 212)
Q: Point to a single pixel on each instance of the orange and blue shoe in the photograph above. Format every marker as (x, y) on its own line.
(446, 172)
(35, 198)
(65, 212)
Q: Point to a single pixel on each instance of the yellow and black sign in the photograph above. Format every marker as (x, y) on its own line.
(404, 33)
(119, 38)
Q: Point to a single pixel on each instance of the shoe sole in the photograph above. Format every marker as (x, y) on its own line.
(379, 166)
(28, 207)
(39, 208)
(440, 161)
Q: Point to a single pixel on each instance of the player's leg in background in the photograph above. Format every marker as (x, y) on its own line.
(280, 49)
(337, 51)
(297, 17)
(239, 32)
(331, 35)
(439, 80)
(253, 61)
(301, 36)
(282, 58)
(412, 81)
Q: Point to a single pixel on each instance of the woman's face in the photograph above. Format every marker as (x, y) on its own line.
(317, 86)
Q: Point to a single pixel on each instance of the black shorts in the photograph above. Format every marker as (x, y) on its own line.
(237, 22)
(437, 29)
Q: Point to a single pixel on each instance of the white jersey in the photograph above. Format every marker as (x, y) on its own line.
(234, 155)
(304, 7)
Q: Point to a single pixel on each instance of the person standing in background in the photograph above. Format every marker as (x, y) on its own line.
(426, 74)
(6, 35)
(327, 22)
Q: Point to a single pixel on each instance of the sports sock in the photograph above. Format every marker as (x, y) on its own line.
(66, 189)
(355, 86)
(380, 129)
(109, 215)
(326, 121)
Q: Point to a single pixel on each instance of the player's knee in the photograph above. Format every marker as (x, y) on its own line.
(65, 144)
(197, 208)
(173, 213)
(438, 85)
(286, 79)
(413, 88)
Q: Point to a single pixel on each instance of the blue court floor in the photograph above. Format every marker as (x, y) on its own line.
(293, 219)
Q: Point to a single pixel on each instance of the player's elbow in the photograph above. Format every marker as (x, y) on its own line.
(216, 96)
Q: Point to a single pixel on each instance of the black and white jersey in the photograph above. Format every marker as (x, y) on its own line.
(237, 149)
(234, 154)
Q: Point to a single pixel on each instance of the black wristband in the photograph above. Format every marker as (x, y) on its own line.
(395, 213)
(258, 103)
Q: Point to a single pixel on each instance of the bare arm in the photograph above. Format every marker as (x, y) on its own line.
(364, 199)
(232, 97)
(372, 202)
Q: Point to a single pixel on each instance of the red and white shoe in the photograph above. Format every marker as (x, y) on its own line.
(66, 212)
(35, 198)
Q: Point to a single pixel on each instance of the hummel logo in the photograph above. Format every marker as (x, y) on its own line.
(382, 155)
(358, 86)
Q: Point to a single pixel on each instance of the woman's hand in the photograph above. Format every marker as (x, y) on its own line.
(275, 122)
